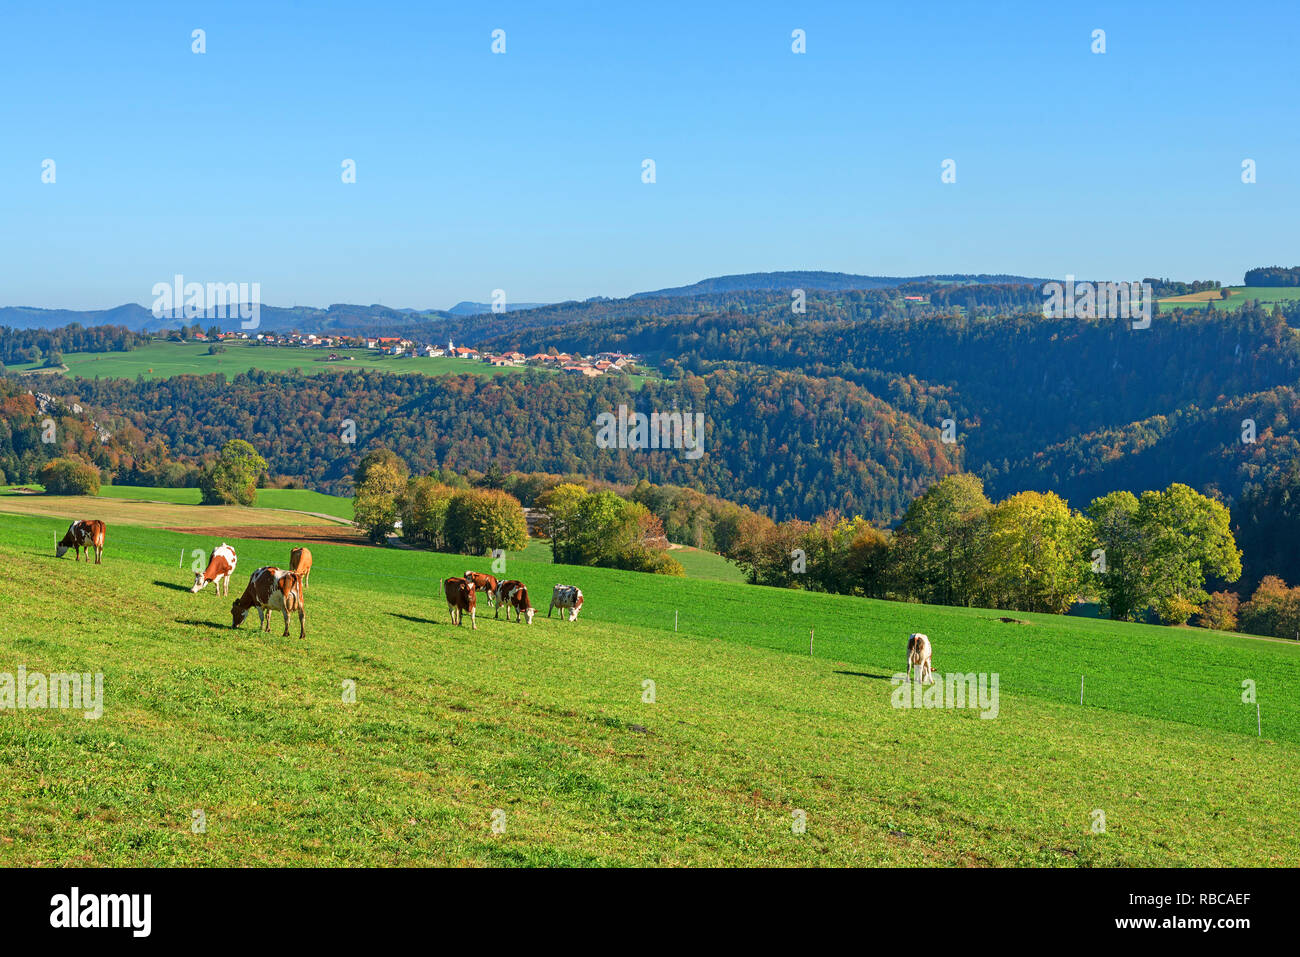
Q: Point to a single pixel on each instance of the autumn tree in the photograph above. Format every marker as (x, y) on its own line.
(232, 478)
(379, 478)
(1118, 561)
(481, 520)
(937, 546)
(1034, 555)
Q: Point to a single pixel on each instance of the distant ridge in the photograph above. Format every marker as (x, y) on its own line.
(833, 281)
(468, 308)
(380, 319)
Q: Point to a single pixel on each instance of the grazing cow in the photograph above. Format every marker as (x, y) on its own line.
(918, 655)
(485, 583)
(84, 533)
(566, 596)
(300, 564)
(460, 599)
(270, 589)
(513, 594)
(220, 567)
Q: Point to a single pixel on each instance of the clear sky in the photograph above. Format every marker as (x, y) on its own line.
(522, 171)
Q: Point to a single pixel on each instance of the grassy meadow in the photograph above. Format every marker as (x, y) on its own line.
(295, 499)
(1237, 296)
(550, 724)
(162, 359)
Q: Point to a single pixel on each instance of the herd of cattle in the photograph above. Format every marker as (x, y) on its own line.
(508, 593)
(272, 589)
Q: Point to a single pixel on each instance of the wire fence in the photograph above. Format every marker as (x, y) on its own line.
(1183, 698)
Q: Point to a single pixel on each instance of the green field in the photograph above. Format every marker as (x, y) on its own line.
(301, 500)
(162, 359)
(696, 562)
(548, 724)
(1238, 296)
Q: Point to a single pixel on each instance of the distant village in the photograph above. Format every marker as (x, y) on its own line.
(587, 366)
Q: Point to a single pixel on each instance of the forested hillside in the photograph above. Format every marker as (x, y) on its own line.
(780, 441)
(1038, 403)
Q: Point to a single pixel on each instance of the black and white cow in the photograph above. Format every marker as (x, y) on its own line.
(566, 596)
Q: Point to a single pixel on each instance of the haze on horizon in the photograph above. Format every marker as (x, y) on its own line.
(523, 171)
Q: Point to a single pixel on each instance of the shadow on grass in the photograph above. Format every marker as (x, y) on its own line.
(418, 621)
(863, 674)
(197, 623)
(172, 585)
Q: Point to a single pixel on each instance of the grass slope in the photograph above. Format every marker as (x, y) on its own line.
(548, 724)
(301, 500)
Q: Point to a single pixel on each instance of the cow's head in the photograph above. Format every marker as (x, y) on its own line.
(60, 549)
(529, 612)
(238, 613)
(199, 582)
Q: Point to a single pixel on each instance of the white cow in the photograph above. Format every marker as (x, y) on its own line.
(918, 654)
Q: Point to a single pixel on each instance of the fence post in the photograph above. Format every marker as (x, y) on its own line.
(810, 639)
(674, 619)
(1259, 729)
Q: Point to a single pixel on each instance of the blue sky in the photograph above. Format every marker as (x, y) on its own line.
(522, 171)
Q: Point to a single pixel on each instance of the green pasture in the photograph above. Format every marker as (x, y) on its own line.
(614, 740)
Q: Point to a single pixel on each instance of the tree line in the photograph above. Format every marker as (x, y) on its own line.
(1273, 276)
(42, 345)
(1142, 557)
(444, 511)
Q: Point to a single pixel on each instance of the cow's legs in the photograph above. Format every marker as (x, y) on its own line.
(302, 623)
(285, 608)
(473, 625)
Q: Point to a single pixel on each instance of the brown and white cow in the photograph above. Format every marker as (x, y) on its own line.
(84, 533)
(220, 567)
(300, 564)
(485, 583)
(513, 594)
(918, 655)
(566, 596)
(460, 599)
(270, 589)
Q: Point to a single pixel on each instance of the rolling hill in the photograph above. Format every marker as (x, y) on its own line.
(552, 731)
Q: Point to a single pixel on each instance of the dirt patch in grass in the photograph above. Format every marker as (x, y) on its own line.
(330, 534)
